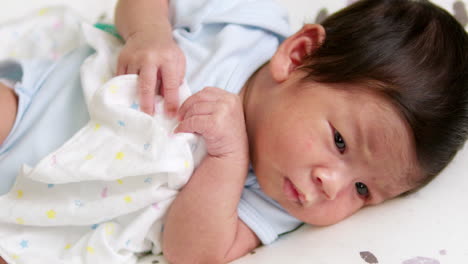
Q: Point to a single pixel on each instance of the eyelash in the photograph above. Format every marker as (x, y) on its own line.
(338, 139)
(359, 185)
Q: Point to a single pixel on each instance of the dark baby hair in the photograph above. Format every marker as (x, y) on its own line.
(413, 53)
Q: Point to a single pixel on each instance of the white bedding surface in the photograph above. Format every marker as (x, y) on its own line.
(429, 226)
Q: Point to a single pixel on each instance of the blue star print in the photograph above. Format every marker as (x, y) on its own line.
(24, 243)
(135, 106)
(148, 180)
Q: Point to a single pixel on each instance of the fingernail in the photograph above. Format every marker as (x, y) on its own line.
(171, 111)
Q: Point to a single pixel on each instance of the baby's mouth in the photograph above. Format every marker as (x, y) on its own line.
(294, 194)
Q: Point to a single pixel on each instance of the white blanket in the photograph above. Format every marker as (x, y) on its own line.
(102, 196)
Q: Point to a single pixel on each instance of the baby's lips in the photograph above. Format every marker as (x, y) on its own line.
(296, 195)
(290, 190)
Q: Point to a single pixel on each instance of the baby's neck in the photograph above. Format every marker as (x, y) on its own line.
(252, 95)
(8, 109)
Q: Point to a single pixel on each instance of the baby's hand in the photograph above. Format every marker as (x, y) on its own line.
(218, 116)
(160, 65)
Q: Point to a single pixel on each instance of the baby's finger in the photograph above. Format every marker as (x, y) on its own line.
(195, 124)
(121, 65)
(147, 89)
(132, 69)
(201, 96)
(170, 87)
(121, 69)
(200, 108)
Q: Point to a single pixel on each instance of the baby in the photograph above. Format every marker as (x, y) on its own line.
(333, 119)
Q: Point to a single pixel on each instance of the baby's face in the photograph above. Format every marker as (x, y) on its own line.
(324, 153)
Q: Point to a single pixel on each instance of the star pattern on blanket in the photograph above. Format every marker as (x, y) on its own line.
(90, 250)
(24, 243)
(128, 199)
(51, 214)
(135, 106)
(119, 156)
(114, 88)
(109, 228)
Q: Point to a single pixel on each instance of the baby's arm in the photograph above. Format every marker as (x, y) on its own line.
(202, 225)
(150, 51)
(8, 109)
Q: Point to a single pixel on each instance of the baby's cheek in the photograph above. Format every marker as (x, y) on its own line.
(328, 212)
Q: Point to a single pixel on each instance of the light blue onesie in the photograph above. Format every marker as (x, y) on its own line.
(224, 43)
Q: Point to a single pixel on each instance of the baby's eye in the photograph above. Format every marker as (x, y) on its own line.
(339, 142)
(362, 189)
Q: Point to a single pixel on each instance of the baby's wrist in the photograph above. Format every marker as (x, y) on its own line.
(160, 30)
(230, 163)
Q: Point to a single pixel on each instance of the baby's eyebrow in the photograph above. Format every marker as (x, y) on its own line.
(362, 139)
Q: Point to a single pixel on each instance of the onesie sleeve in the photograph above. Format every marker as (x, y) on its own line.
(26, 75)
(267, 219)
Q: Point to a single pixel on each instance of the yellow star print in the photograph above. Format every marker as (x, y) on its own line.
(67, 246)
(43, 11)
(128, 199)
(186, 164)
(51, 214)
(90, 249)
(96, 127)
(109, 227)
(20, 221)
(19, 194)
(119, 155)
(89, 157)
(113, 88)
(119, 181)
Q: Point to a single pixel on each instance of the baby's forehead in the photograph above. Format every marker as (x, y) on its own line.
(389, 143)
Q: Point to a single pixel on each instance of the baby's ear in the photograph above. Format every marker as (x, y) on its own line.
(292, 51)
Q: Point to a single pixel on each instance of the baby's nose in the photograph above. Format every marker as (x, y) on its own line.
(331, 182)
